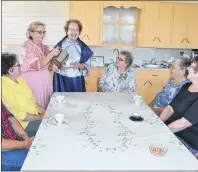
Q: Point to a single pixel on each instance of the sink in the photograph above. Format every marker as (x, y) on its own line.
(152, 66)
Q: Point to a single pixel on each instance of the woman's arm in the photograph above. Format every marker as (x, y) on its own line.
(132, 82)
(30, 117)
(31, 59)
(18, 128)
(179, 125)
(15, 144)
(167, 113)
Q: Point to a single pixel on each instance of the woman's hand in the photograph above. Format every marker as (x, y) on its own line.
(28, 143)
(78, 65)
(55, 52)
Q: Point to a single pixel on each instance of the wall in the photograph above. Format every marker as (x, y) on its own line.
(18, 15)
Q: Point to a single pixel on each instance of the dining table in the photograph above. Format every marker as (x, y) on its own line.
(97, 133)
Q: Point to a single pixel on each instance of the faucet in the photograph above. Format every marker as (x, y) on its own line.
(114, 50)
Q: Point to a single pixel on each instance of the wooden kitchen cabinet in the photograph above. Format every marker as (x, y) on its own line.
(156, 24)
(150, 82)
(89, 13)
(119, 23)
(185, 28)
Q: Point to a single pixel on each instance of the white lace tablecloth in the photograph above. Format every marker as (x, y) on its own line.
(100, 136)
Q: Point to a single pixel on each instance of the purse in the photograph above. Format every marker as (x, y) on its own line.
(61, 58)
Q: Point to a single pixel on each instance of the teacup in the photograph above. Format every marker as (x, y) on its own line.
(59, 117)
(137, 100)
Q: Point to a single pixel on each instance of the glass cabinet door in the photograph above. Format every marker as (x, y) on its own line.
(128, 15)
(127, 34)
(119, 26)
(110, 34)
(110, 15)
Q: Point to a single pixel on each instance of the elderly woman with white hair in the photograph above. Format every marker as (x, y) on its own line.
(181, 115)
(178, 72)
(36, 59)
(119, 77)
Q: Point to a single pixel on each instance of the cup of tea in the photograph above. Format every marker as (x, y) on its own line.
(59, 118)
(137, 100)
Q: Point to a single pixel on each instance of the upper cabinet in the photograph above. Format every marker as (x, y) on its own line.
(119, 23)
(89, 13)
(156, 21)
(185, 27)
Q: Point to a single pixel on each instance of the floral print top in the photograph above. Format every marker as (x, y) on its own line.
(167, 94)
(113, 81)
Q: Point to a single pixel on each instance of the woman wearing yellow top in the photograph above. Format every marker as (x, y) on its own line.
(17, 96)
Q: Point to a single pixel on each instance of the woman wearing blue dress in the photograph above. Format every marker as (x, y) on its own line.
(70, 78)
(178, 71)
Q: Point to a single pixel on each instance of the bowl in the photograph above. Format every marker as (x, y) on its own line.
(158, 150)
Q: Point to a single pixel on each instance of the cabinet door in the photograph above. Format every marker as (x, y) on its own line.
(91, 84)
(154, 86)
(192, 30)
(87, 12)
(157, 24)
(180, 25)
(141, 84)
(165, 25)
(149, 24)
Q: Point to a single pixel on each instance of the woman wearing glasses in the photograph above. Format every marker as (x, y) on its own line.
(35, 60)
(71, 78)
(181, 115)
(17, 96)
(178, 71)
(119, 77)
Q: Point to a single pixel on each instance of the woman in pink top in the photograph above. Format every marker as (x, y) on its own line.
(35, 61)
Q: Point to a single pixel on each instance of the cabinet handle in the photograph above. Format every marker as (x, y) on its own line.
(145, 82)
(150, 83)
(183, 40)
(86, 83)
(154, 75)
(159, 39)
(154, 39)
(86, 36)
(187, 40)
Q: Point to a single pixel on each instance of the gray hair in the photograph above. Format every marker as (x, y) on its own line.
(128, 58)
(184, 63)
(32, 27)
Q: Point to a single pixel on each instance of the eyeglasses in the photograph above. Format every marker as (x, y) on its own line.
(72, 30)
(120, 59)
(17, 65)
(40, 32)
(193, 67)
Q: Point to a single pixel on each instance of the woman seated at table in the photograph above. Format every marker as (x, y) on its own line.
(17, 96)
(178, 71)
(15, 142)
(119, 77)
(181, 115)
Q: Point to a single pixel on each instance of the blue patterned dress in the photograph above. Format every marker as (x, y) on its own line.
(164, 97)
(113, 81)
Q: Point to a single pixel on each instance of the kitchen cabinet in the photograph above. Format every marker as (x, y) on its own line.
(89, 13)
(150, 82)
(119, 23)
(185, 27)
(156, 23)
